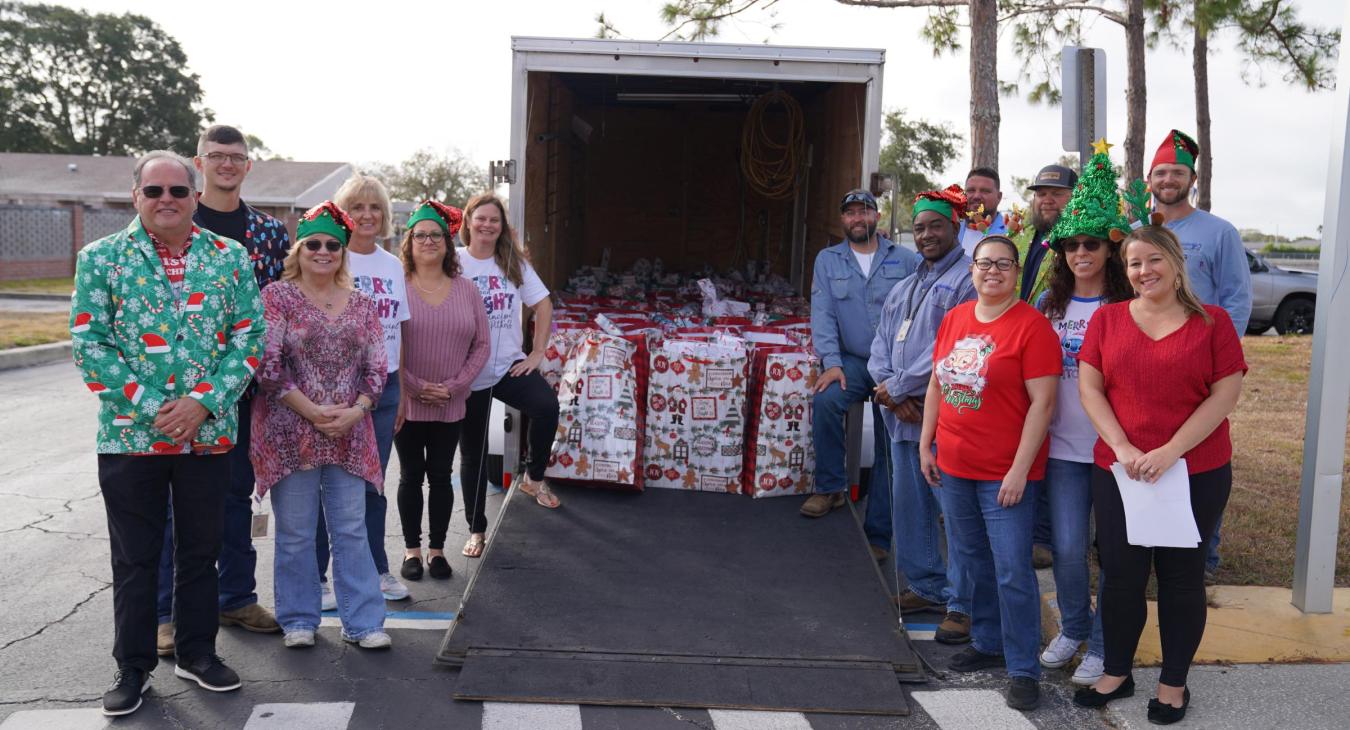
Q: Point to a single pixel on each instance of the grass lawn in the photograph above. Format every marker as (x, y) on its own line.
(59, 285)
(1261, 522)
(21, 329)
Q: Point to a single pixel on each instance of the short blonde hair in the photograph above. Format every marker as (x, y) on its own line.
(291, 267)
(361, 186)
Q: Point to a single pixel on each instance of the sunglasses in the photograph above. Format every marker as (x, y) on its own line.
(157, 191)
(1090, 245)
(332, 245)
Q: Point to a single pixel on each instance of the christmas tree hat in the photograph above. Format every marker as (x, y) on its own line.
(1095, 207)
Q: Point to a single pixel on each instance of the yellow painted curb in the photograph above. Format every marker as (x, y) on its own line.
(1247, 625)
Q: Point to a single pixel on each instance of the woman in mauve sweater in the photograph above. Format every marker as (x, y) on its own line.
(445, 344)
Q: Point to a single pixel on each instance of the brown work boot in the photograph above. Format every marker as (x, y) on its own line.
(819, 505)
(252, 618)
(908, 602)
(954, 629)
(879, 554)
(1041, 557)
(164, 639)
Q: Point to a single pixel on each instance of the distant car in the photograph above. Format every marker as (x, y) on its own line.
(1283, 298)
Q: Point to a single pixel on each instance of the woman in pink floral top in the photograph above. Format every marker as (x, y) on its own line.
(321, 373)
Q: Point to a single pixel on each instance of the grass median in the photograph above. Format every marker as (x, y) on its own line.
(59, 285)
(21, 329)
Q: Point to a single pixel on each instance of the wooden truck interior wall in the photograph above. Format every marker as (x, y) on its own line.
(663, 179)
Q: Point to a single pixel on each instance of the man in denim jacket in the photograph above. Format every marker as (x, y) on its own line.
(849, 283)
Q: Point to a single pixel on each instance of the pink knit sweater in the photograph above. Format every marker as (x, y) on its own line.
(446, 344)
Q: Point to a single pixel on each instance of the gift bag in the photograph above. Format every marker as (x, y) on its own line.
(599, 438)
(696, 415)
(565, 337)
(782, 460)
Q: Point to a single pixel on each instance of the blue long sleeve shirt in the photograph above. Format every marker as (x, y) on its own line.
(1217, 264)
(846, 301)
(904, 366)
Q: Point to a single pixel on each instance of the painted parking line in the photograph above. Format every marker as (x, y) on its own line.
(956, 709)
(757, 720)
(522, 715)
(82, 719)
(425, 620)
(301, 716)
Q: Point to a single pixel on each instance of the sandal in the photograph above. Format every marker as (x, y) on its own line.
(541, 492)
(474, 547)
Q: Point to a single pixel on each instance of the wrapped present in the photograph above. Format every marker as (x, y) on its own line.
(599, 439)
(782, 460)
(696, 415)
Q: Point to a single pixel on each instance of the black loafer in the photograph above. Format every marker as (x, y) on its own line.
(971, 660)
(412, 569)
(1161, 713)
(1024, 693)
(1089, 697)
(439, 567)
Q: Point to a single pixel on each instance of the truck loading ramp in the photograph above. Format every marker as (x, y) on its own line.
(683, 599)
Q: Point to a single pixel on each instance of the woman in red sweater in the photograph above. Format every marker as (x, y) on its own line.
(1158, 376)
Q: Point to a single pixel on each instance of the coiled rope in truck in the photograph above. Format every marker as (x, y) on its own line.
(770, 165)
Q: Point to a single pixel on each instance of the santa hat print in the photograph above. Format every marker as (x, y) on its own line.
(200, 390)
(220, 244)
(120, 420)
(154, 343)
(194, 302)
(251, 363)
(171, 384)
(163, 446)
(133, 391)
(224, 441)
(220, 340)
(81, 322)
(96, 387)
(242, 326)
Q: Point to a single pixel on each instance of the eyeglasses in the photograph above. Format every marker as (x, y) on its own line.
(155, 191)
(1090, 245)
(332, 245)
(217, 158)
(1002, 264)
(423, 237)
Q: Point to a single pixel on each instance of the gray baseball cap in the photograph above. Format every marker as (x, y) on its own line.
(1055, 176)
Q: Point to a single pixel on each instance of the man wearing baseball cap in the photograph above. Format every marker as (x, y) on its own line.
(1050, 191)
(849, 284)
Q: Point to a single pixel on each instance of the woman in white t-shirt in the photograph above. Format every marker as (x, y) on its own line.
(494, 261)
(1085, 273)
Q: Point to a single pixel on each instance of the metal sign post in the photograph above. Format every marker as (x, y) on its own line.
(1329, 381)
(1083, 84)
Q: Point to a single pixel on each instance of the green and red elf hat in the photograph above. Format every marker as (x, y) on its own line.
(1177, 149)
(949, 203)
(326, 217)
(447, 217)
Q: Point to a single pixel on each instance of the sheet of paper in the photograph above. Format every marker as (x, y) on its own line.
(1158, 514)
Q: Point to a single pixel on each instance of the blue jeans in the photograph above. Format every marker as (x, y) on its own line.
(1212, 550)
(1040, 534)
(1068, 485)
(828, 410)
(296, 500)
(238, 559)
(386, 411)
(995, 544)
(915, 526)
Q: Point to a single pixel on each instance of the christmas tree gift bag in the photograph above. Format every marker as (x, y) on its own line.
(696, 415)
(599, 439)
(782, 460)
(560, 344)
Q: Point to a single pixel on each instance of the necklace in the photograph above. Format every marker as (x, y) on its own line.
(432, 290)
(327, 301)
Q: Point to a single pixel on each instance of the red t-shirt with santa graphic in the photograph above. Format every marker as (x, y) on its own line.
(983, 368)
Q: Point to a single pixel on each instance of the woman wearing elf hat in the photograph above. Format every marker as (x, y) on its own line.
(445, 345)
(1159, 376)
(1085, 273)
(321, 374)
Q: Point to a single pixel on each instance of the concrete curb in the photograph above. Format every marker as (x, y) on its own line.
(34, 295)
(22, 357)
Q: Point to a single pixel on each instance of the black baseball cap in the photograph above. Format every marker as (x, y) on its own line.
(858, 196)
(1055, 176)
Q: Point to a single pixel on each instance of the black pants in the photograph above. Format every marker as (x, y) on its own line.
(1181, 577)
(426, 451)
(135, 490)
(531, 395)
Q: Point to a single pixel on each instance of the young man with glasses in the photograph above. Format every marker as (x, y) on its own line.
(165, 330)
(222, 159)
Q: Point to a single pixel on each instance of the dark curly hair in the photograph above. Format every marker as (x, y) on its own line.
(1116, 288)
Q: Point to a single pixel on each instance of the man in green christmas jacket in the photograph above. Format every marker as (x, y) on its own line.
(167, 325)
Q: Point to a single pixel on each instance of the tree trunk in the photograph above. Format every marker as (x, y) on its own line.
(1136, 96)
(984, 115)
(1200, 66)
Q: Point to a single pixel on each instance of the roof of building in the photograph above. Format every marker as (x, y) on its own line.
(30, 177)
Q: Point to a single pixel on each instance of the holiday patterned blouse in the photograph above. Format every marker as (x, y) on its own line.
(331, 361)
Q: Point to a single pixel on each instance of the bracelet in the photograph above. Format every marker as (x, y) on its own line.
(364, 407)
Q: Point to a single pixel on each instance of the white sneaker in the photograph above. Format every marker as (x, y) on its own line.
(1089, 670)
(299, 638)
(327, 600)
(373, 640)
(1060, 652)
(392, 589)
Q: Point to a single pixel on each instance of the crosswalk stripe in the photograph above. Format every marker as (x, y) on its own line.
(954, 709)
(518, 715)
(758, 720)
(82, 719)
(333, 622)
(301, 716)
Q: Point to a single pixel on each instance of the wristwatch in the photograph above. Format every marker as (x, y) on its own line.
(364, 407)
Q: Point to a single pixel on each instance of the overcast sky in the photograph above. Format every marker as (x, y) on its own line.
(421, 74)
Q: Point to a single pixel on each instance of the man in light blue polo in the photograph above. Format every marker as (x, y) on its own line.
(849, 283)
(902, 364)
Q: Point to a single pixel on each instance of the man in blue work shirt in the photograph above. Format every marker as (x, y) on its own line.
(902, 363)
(984, 193)
(1216, 262)
(849, 283)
